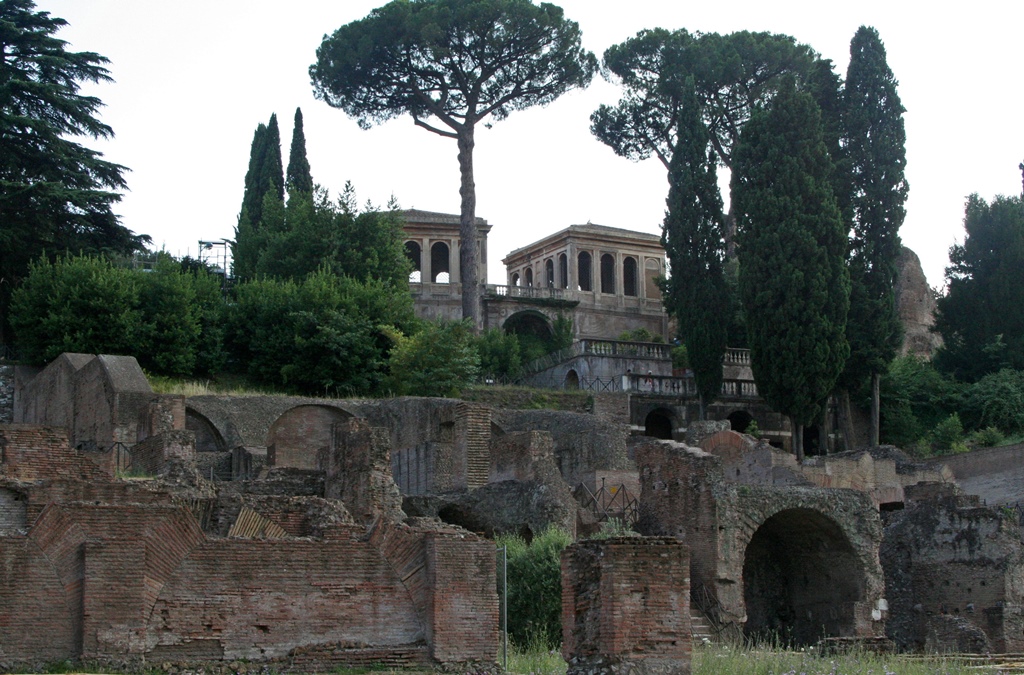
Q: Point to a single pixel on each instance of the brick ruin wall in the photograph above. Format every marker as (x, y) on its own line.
(626, 606)
(954, 574)
(103, 569)
(6, 394)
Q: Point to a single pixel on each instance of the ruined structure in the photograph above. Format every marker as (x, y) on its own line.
(311, 533)
(915, 304)
(308, 565)
(626, 606)
(954, 574)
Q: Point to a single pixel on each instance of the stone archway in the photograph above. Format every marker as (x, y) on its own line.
(739, 420)
(658, 424)
(802, 579)
(572, 379)
(297, 435)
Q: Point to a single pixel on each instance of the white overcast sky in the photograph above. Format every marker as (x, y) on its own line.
(193, 78)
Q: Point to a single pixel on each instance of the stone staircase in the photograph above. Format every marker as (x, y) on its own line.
(701, 629)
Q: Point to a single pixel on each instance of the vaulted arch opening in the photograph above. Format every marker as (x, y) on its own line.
(801, 579)
(440, 263)
(608, 273)
(584, 271)
(658, 424)
(415, 256)
(630, 283)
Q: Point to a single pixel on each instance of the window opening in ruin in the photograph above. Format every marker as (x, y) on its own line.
(801, 580)
(812, 441)
(549, 272)
(608, 273)
(658, 424)
(583, 272)
(563, 271)
(629, 276)
(414, 254)
(652, 270)
(440, 263)
(572, 380)
(529, 277)
(740, 420)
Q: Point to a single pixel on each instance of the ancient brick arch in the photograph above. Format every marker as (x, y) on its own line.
(806, 561)
(659, 423)
(300, 432)
(208, 438)
(529, 321)
(802, 579)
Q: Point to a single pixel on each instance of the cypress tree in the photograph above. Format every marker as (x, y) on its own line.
(252, 199)
(272, 173)
(693, 237)
(874, 149)
(792, 254)
(299, 178)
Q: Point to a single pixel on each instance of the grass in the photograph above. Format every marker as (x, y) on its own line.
(726, 660)
(222, 387)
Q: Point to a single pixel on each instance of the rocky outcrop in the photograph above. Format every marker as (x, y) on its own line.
(915, 304)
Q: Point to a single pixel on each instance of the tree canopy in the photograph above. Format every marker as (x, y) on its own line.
(981, 316)
(732, 74)
(696, 294)
(792, 254)
(55, 194)
(450, 64)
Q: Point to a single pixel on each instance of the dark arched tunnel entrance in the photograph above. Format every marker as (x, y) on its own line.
(658, 424)
(801, 580)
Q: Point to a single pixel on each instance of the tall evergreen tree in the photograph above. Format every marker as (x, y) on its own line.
(299, 178)
(792, 254)
(55, 194)
(693, 236)
(874, 141)
(264, 180)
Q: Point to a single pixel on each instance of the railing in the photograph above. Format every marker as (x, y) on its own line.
(638, 350)
(528, 292)
(685, 386)
(606, 503)
(736, 357)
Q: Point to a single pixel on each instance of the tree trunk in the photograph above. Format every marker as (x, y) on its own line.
(467, 231)
(824, 432)
(730, 233)
(845, 419)
(797, 439)
(876, 380)
(703, 408)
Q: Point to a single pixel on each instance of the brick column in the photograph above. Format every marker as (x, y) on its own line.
(626, 606)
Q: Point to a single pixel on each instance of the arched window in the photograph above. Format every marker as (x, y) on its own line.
(608, 273)
(439, 263)
(549, 273)
(515, 278)
(563, 271)
(583, 271)
(529, 276)
(412, 252)
(652, 270)
(629, 277)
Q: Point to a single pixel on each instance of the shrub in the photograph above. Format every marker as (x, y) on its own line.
(997, 400)
(440, 360)
(535, 587)
(76, 304)
(948, 434)
(988, 437)
(499, 354)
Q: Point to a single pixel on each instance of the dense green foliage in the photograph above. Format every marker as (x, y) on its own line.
(312, 232)
(694, 239)
(298, 177)
(167, 318)
(450, 64)
(55, 194)
(325, 335)
(439, 360)
(981, 316)
(792, 250)
(263, 197)
(499, 354)
(732, 75)
(918, 402)
(535, 587)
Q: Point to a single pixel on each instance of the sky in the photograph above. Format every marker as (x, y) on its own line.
(193, 79)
